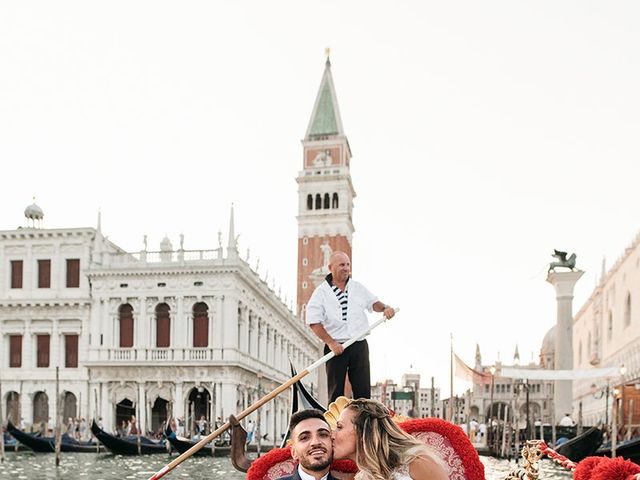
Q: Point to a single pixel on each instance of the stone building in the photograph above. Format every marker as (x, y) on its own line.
(408, 398)
(174, 332)
(606, 333)
(510, 397)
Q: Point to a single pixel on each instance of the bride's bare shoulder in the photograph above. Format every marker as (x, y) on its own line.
(427, 468)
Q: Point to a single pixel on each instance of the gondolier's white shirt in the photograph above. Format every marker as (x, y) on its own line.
(324, 308)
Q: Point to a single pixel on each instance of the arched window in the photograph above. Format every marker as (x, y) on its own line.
(334, 201)
(327, 201)
(627, 311)
(163, 326)
(200, 325)
(318, 201)
(125, 313)
(13, 406)
(610, 326)
(40, 408)
(70, 406)
(309, 202)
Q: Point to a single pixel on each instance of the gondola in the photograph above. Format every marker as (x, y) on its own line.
(181, 445)
(42, 444)
(629, 449)
(581, 446)
(127, 445)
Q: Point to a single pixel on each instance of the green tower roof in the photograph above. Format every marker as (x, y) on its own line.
(325, 119)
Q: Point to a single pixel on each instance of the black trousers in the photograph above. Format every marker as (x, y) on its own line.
(355, 362)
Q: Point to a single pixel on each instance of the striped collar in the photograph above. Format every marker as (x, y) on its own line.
(329, 279)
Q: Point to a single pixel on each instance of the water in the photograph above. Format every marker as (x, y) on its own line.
(104, 466)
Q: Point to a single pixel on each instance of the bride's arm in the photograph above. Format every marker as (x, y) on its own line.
(426, 468)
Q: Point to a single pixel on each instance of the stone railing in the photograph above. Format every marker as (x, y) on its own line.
(161, 354)
(174, 356)
(145, 257)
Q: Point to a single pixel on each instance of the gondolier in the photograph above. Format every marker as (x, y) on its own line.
(335, 313)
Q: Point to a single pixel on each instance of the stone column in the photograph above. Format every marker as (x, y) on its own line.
(178, 401)
(228, 399)
(107, 409)
(564, 282)
(142, 408)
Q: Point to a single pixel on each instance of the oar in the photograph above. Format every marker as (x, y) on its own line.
(251, 408)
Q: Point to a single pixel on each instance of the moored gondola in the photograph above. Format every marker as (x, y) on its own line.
(581, 446)
(42, 444)
(629, 450)
(127, 445)
(181, 445)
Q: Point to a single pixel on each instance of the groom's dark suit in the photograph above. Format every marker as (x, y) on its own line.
(296, 476)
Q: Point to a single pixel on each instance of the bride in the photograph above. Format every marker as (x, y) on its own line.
(366, 434)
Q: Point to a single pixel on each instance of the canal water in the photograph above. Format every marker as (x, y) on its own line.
(104, 466)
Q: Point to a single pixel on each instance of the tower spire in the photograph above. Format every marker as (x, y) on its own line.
(325, 119)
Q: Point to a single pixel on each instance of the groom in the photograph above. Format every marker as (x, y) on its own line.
(310, 437)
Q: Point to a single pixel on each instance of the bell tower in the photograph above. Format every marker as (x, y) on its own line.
(325, 192)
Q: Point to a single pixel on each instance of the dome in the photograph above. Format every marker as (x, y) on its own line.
(549, 342)
(165, 245)
(33, 212)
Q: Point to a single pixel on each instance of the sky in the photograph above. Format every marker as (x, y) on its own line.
(484, 135)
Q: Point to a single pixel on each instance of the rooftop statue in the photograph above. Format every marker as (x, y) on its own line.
(563, 261)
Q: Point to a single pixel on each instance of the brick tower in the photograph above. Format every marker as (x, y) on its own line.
(325, 192)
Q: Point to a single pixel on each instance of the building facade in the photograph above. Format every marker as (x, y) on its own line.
(606, 333)
(170, 332)
(507, 398)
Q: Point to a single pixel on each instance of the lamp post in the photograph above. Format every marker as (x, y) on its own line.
(603, 393)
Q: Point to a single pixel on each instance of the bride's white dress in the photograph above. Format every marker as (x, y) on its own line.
(400, 473)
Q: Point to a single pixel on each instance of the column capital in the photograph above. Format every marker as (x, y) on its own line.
(564, 282)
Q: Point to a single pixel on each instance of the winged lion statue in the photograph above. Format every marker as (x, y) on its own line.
(563, 260)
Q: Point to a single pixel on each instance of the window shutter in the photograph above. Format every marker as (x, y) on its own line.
(163, 326)
(200, 325)
(43, 351)
(44, 273)
(15, 351)
(71, 351)
(73, 273)
(16, 273)
(126, 326)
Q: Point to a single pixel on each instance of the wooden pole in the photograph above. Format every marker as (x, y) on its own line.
(252, 408)
(614, 428)
(505, 419)
(137, 423)
(1, 426)
(451, 406)
(629, 419)
(58, 412)
(96, 416)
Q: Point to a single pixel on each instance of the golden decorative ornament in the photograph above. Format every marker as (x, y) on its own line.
(335, 409)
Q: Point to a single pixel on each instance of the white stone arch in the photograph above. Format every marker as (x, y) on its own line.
(120, 391)
(164, 390)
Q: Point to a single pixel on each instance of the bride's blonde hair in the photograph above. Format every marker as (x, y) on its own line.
(382, 446)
